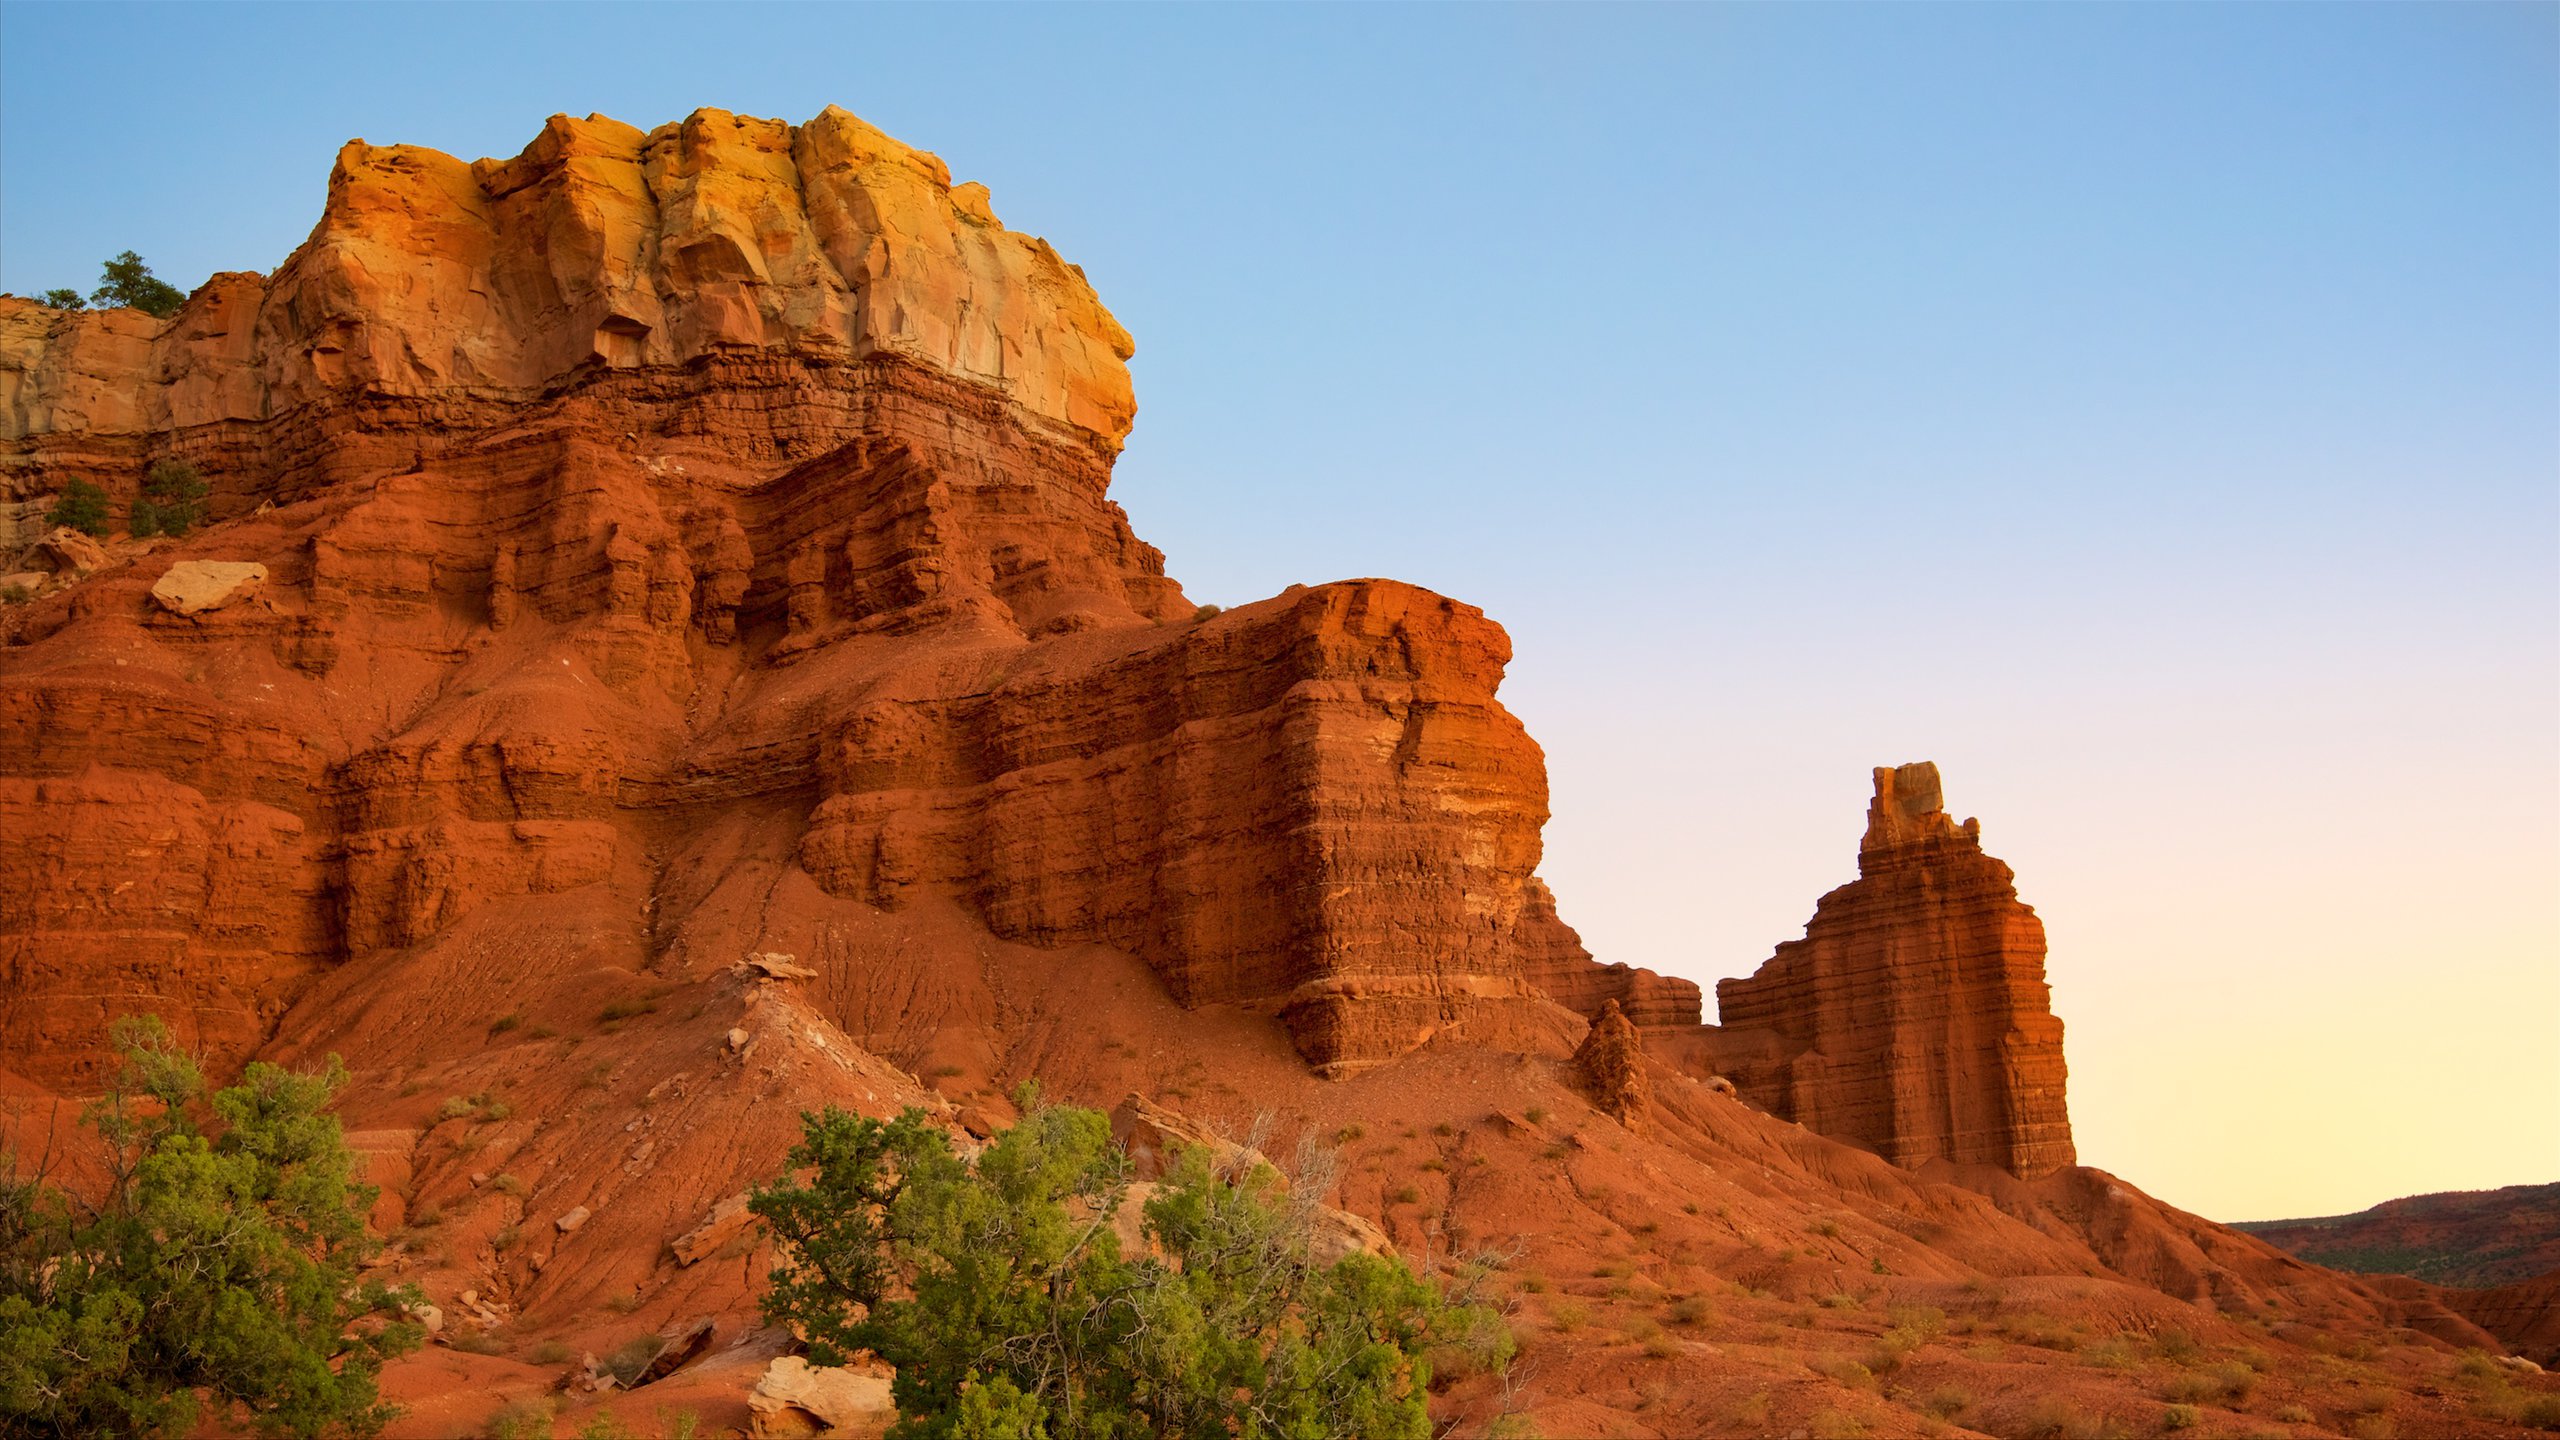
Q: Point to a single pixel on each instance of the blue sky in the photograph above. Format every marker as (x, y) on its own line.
(2151, 413)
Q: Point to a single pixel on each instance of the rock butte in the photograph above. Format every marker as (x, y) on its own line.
(696, 673)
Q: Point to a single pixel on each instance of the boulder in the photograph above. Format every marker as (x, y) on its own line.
(797, 1398)
(192, 587)
(727, 1219)
(65, 551)
(1152, 1134)
(1338, 1233)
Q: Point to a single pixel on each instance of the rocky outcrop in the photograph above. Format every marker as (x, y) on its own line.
(191, 587)
(1914, 1015)
(645, 489)
(1610, 1064)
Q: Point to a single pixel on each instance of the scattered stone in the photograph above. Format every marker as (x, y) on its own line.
(572, 1220)
(25, 582)
(737, 1039)
(723, 1224)
(192, 587)
(429, 1316)
(1721, 1085)
(779, 967)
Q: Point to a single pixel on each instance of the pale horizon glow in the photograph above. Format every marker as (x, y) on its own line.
(2150, 414)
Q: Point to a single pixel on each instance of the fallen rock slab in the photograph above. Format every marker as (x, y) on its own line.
(192, 587)
(726, 1220)
(796, 1398)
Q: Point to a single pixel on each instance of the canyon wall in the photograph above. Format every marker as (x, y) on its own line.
(645, 487)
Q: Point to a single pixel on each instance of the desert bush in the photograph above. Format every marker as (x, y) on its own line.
(1948, 1401)
(2180, 1417)
(2114, 1353)
(632, 1356)
(521, 1420)
(83, 507)
(219, 1267)
(1843, 1370)
(2228, 1381)
(2542, 1412)
(2054, 1418)
(549, 1352)
(171, 502)
(1692, 1310)
(2295, 1414)
(1836, 1425)
(63, 299)
(996, 1286)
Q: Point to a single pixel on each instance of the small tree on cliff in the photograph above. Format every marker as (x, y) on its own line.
(171, 502)
(127, 281)
(83, 507)
(997, 1287)
(223, 1263)
(63, 300)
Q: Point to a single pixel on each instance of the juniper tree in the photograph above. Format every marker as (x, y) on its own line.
(222, 1258)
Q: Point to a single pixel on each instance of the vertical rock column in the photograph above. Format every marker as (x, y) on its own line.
(1913, 1016)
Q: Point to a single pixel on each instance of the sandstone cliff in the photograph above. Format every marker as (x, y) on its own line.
(1913, 1016)
(642, 483)
(697, 675)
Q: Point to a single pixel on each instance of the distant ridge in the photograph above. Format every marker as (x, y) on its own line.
(2471, 1239)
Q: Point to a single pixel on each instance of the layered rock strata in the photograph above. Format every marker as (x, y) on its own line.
(645, 491)
(1913, 1016)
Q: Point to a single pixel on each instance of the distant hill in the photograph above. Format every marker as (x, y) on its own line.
(2467, 1238)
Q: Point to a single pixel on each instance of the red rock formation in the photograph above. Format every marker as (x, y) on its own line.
(644, 483)
(1914, 1015)
(1611, 1065)
(700, 676)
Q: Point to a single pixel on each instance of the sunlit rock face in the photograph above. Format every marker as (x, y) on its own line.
(646, 489)
(1914, 1015)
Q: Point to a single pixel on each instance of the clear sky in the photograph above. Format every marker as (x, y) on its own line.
(2151, 413)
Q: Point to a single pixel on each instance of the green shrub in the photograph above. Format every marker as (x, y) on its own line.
(127, 281)
(522, 1420)
(216, 1266)
(2180, 1417)
(83, 507)
(63, 299)
(632, 1356)
(996, 1286)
